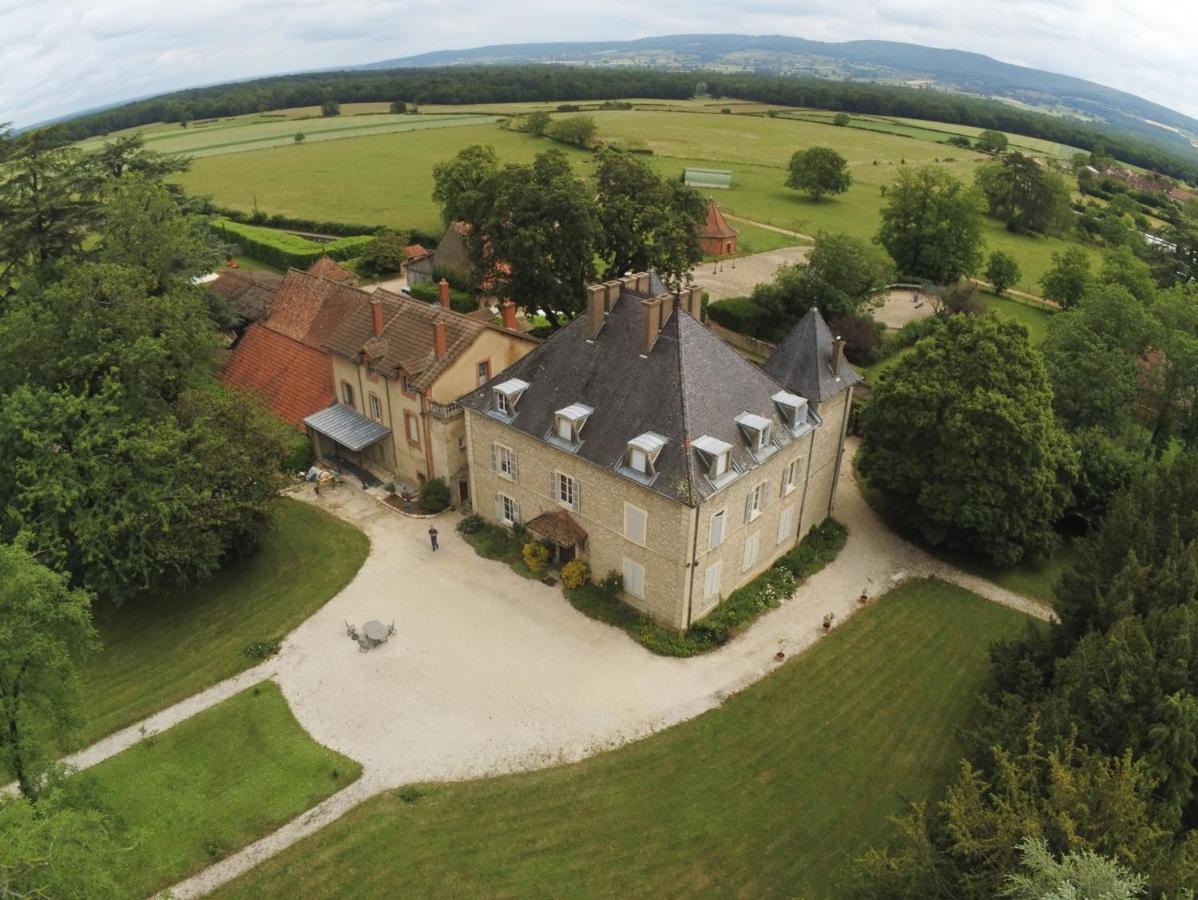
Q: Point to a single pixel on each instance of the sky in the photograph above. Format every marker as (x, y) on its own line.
(62, 56)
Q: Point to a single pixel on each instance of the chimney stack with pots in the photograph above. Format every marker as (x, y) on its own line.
(667, 307)
(508, 309)
(443, 293)
(596, 307)
(376, 314)
(837, 355)
(613, 293)
(651, 323)
(440, 340)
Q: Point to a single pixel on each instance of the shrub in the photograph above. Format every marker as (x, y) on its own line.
(568, 107)
(862, 337)
(287, 250)
(263, 649)
(740, 314)
(536, 557)
(472, 524)
(434, 495)
(299, 455)
(821, 545)
(962, 297)
(430, 292)
(612, 583)
(841, 119)
(575, 573)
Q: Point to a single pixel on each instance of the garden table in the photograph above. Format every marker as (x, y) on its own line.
(375, 631)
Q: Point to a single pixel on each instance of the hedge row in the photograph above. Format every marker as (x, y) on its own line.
(345, 229)
(740, 314)
(285, 250)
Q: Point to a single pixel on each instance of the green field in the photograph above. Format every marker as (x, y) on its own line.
(161, 647)
(208, 786)
(774, 794)
(387, 178)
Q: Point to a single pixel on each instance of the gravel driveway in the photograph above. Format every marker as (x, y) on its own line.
(738, 277)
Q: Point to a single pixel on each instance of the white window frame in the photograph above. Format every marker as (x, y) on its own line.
(347, 394)
(510, 510)
(749, 559)
(785, 525)
(635, 455)
(570, 497)
(644, 520)
(501, 403)
(755, 502)
(504, 462)
(788, 476)
(633, 565)
(376, 407)
(712, 531)
(482, 371)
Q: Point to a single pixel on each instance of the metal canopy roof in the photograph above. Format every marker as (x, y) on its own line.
(650, 442)
(786, 398)
(576, 411)
(511, 386)
(753, 421)
(711, 446)
(347, 427)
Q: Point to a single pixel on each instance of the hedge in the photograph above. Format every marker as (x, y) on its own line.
(287, 250)
(430, 292)
(740, 314)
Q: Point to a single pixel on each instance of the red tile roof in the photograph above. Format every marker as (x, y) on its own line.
(415, 252)
(327, 267)
(293, 379)
(716, 226)
(309, 309)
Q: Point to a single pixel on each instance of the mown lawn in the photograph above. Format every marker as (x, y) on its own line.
(775, 794)
(210, 785)
(343, 179)
(163, 646)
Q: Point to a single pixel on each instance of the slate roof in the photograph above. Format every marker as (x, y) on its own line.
(802, 363)
(293, 379)
(716, 225)
(249, 293)
(308, 309)
(327, 267)
(407, 339)
(689, 385)
(347, 427)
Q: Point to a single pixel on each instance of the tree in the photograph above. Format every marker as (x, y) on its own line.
(578, 131)
(819, 171)
(462, 185)
(1068, 280)
(540, 223)
(299, 137)
(386, 253)
(399, 107)
(840, 276)
(931, 226)
(56, 848)
(1078, 874)
(1002, 271)
(645, 222)
(1027, 197)
(992, 141)
(329, 108)
(45, 626)
(841, 119)
(960, 441)
(1122, 267)
(537, 121)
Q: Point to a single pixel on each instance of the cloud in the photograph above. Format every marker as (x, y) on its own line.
(69, 55)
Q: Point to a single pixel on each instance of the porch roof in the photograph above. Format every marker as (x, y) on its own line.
(347, 427)
(559, 527)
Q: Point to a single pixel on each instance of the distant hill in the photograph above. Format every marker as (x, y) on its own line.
(878, 61)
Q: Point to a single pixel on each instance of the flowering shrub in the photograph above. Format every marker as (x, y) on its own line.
(536, 557)
(575, 574)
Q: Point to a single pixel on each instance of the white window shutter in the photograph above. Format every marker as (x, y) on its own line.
(516, 511)
(749, 506)
(577, 495)
(765, 495)
(498, 508)
(515, 466)
(494, 458)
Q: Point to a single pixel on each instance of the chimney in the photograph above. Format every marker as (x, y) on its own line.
(440, 341)
(596, 307)
(837, 355)
(443, 293)
(613, 293)
(651, 323)
(376, 312)
(508, 308)
(667, 308)
(642, 283)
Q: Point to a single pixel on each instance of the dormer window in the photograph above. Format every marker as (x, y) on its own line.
(640, 456)
(793, 410)
(717, 455)
(506, 396)
(756, 430)
(568, 424)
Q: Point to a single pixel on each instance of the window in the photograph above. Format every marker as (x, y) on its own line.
(461, 443)
(755, 502)
(711, 581)
(507, 510)
(376, 408)
(566, 490)
(411, 428)
(502, 404)
(636, 524)
(406, 384)
(484, 372)
(717, 455)
(752, 543)
(788, 476)
(640, 456)
(785, 526)
(565, 429)
(756, 430)
(716, 534)
(503, 461)
(506, 395)
(634, 578)
(793, 409)
(568, 424)
(347, 393)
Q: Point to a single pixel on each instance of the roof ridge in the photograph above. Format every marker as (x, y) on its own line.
(691, 475)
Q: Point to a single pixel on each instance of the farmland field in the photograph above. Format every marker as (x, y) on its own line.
(386, 177)
(774, 794)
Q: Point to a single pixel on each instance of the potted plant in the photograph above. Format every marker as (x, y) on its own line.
(829, 618)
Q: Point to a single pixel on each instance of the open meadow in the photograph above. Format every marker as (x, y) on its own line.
(378, 168)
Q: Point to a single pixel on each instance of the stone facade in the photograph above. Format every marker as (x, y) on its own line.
(686, 572)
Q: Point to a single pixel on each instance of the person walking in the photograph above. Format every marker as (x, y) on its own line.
(432, 536)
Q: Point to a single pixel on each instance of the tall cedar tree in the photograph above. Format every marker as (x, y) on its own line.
(1024, 195)
(961, 442)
